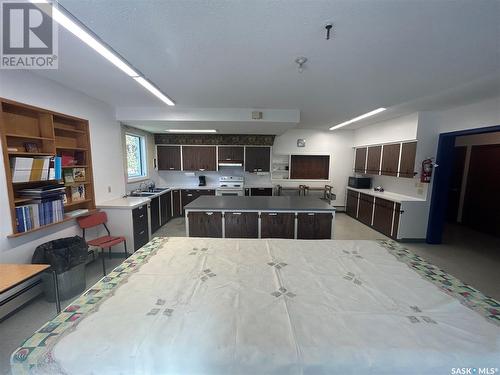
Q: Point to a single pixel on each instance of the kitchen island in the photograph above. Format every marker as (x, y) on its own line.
(260, 217)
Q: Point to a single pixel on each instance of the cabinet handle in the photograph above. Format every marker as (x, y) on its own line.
(189, 195)
(141, 232)
(236, 213)
(311, 214)
(140, 217)
(201, 169)
(209, 213)
(272, 214)
(171, 168)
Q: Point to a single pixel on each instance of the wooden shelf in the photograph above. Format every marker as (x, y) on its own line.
(24, 153)
(61, 128)
(41, 182)
(22, 200)
(28, 137)
(77, 183)
(74, 166)
(70, 204)
(72, 148)
(66, 219)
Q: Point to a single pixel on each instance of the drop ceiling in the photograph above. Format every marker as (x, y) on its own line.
(240, 54)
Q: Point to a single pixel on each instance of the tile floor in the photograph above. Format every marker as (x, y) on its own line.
(472, 257)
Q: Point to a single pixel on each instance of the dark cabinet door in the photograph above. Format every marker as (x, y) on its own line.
(365, 208)
(383, 216)
(231, 153)
(277, 225)
(169, 158)
(310, 167)
(360, 160)
(198, 158)
(241, 224)
(373, 160)
(397, 214)
(155, 214)
(257, 159)
(190, 195)
(351, 207)
(205, 224)
(176, 203)
(261, 192)
(390, 159)
(313, 225)
(407, 165)
(140, 226)
(165, 207)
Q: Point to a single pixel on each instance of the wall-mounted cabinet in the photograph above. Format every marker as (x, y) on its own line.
(199, 158)
(395, 159)
(231, 154)
(310, 167)
(169, 158)
(257, 159)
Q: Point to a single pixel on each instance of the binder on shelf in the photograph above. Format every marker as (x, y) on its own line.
(29, 169)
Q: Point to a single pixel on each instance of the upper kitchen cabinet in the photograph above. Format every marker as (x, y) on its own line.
(390, 159)
(169, 158)
(199, 158)
(231, 154)
(360, 160)
(257, 159)
(407, 164)
(310, 167)
(373, 159)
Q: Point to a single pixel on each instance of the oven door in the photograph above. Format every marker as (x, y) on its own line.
(229, 193)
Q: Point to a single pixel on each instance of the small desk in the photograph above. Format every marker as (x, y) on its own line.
(12, 275)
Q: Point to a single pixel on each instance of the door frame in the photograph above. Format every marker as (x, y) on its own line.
(442, 178)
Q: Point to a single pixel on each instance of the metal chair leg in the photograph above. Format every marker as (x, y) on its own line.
(109, 250)
(103, 262)
(125, 246)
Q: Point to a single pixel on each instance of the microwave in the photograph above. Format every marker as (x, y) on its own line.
(360, 182)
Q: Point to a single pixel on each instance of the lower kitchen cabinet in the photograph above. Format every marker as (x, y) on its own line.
(261, 191)
(140, 226)
(241, 224)
(165, 207)
(365, 208)
(176, 203)
(205, 224)
(190, 195)
(277, 225)
(155, 214)
(313, 225)
(351, 206)
(382, 216)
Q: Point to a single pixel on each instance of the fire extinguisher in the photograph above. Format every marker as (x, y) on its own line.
(426, 174)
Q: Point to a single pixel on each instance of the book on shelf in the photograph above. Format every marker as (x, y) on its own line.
(79, 174)
(68, 176)
(67, 159)
(77, 193)
(30, 169)
(39, 212)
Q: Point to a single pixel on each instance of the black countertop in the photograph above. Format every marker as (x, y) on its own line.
(211, 203)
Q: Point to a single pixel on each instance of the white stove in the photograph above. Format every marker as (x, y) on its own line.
(230, 185)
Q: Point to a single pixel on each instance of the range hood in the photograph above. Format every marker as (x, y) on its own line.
(230, 163)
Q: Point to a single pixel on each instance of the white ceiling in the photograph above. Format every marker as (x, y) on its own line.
(224, 54)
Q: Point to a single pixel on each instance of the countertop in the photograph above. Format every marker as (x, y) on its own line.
(399, 198)
(127, 203)
(231, 203)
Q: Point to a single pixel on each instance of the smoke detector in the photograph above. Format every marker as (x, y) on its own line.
(300, 61)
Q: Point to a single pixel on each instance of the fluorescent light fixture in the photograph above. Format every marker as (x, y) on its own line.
(369, 114)
(191, 131)
(153, 90)
(105, 51)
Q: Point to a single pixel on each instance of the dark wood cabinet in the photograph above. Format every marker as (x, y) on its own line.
(365, 208)
(351, 206)
(176, 203)
(261, 191)
(199, 158)
(169, 158)
(390, 159)
(314, 225)
(155, 214)
(397, 214)
(231, 153)
(360, 160)
(383, 216)
(241, 224)
(408, 154)
(373, 160)
(310, 167)
(257, 159)
(165, 207)
(277, 225)
(205, 224)
(140, 226)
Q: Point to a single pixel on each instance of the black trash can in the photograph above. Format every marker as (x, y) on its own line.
(67, 256)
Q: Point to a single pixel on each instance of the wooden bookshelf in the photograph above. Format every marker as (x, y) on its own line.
(54, 134)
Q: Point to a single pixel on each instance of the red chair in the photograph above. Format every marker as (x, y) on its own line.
(103, 242)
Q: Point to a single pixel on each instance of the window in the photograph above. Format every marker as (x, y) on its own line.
(136, 156)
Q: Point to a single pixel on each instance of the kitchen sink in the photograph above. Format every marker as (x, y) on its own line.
(159, 190)
(142, 194)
